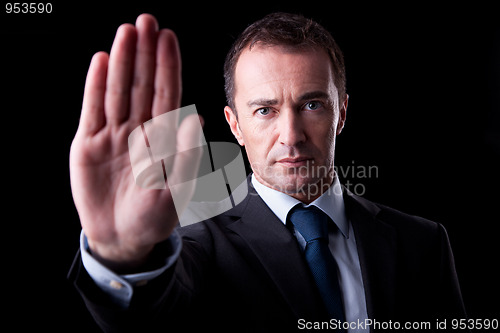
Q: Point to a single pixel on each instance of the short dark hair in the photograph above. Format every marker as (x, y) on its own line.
(292, 31)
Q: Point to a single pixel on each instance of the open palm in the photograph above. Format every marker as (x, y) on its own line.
(140, 79)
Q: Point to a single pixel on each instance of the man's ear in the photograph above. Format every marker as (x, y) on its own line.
(342, 115)
(232, 120)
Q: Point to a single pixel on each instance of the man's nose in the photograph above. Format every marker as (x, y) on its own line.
(291, 128)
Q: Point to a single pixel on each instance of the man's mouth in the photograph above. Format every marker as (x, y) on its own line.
(294, 162)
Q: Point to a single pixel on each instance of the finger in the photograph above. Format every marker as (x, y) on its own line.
(168, 74)
(181, 181)
(92, 118)
(189, 150)
(121, 64)
(144, 69)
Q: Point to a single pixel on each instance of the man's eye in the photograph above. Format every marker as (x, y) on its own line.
(314, 105)
(263, 111)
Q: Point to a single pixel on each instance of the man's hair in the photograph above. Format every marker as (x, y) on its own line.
(292, 31)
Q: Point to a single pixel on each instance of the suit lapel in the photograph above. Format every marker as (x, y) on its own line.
(377, 250)
(279, 254)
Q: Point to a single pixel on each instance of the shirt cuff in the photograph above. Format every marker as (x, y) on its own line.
(121, 287)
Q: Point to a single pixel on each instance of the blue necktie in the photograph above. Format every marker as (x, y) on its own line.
(312, 224)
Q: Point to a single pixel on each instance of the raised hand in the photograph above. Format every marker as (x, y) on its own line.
(140, 79)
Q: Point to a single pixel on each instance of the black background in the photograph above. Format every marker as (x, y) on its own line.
(424, 109)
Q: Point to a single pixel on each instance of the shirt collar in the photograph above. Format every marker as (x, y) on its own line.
(331, 203)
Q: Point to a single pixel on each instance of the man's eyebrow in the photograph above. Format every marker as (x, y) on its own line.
(262, 102)
(317, 94)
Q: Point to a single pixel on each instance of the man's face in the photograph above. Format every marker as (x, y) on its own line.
(288, 116)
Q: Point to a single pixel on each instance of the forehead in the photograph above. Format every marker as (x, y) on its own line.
(275, 70)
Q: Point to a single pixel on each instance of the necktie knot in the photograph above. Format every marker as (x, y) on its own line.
(311, 222)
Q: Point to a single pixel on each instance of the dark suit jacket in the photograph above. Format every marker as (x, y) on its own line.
(244, 271)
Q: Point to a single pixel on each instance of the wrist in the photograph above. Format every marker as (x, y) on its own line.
(120, 260)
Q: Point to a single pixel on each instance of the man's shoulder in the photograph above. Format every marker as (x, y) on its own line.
(210, 229)
(397, 219)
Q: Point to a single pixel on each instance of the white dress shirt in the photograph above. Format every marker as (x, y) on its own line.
(342, 243)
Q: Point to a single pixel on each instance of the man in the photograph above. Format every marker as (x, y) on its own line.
(299, 252)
